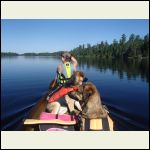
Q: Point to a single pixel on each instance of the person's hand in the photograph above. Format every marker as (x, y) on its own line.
(77, 104)
(75, 62)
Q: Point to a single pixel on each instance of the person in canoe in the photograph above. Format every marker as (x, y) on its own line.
(65, 70)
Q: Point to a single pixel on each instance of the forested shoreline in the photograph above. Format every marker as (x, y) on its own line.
(134, 47)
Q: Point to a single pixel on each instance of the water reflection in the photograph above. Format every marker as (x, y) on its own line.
(132, 68)
(9, 57)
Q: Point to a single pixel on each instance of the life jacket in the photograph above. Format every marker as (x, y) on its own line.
(67, 71)
(61, 92)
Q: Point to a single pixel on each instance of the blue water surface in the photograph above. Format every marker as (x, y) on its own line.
(123, 87)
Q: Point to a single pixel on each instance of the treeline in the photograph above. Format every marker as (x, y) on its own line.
(134, 47)
(9, 54)
(42, 54)
(35, 54)
(31, 54)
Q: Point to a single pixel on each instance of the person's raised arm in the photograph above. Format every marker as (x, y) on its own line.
(75, 63)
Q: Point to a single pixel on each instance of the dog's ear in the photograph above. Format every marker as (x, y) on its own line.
(90, 90)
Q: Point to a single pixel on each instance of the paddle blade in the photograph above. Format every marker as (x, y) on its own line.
(52, 84)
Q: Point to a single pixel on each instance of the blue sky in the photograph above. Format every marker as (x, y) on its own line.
(39, 35)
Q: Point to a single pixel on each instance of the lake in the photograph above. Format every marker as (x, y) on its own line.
(123, 86)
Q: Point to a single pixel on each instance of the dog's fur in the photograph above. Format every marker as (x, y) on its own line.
(91, 101)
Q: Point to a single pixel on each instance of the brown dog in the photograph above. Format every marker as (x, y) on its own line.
(91, 102)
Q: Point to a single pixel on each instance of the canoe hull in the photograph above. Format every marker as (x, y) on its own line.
(87, 124)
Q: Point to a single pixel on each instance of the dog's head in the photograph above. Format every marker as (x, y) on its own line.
(78, 77)
(87, 90)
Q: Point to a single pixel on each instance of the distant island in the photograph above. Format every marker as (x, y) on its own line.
(134, 47)
(9, 54)
(31, 54)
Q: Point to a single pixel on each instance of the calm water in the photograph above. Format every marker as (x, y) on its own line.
(123, 85)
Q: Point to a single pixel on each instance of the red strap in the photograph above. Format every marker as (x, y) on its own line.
(75, 88)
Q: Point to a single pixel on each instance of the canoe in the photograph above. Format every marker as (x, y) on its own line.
(40, 120)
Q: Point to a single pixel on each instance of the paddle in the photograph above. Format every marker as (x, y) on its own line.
(52, 84)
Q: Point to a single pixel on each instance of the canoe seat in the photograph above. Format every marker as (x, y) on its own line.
(105, 124)
(49, 118)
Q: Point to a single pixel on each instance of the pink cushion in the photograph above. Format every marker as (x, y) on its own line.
(50, 116)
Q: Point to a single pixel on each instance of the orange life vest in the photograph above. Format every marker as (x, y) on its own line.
(60, 93)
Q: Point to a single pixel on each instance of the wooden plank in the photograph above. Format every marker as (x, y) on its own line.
(55, 121)
(96, 124)
(111, 124)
